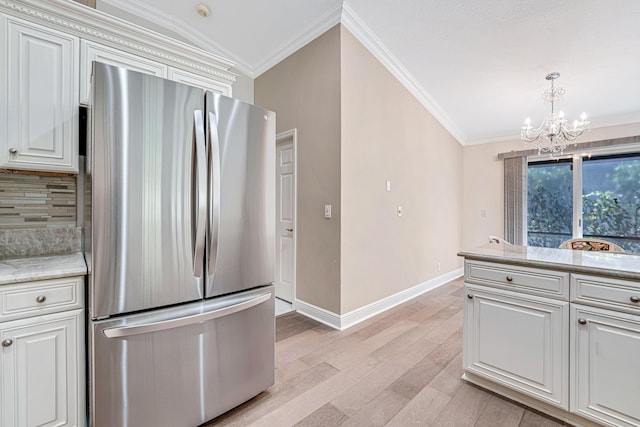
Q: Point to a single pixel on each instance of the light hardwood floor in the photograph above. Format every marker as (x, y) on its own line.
(400, 368)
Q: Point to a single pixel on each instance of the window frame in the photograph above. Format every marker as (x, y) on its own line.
(577, 159)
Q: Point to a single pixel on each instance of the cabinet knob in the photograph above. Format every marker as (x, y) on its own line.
(469, 296)
(582, 321)
(634, 299)
(41, 298)
(7, 342)
(509, 279)
(13, 150)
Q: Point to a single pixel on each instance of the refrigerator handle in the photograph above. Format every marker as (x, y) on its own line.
(146, 328)
(201, 193)
(214, 208)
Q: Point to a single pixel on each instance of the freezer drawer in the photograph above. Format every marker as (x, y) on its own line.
(184, 365)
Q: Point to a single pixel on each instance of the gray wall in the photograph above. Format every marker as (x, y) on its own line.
(304, 91)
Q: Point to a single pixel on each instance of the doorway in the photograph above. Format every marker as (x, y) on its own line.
(286, 172)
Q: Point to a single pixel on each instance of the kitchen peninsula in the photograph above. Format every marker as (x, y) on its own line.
(555, 329)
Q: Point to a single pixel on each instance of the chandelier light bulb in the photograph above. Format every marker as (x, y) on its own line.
(554, 133)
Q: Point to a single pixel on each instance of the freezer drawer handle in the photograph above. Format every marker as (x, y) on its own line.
(162, 325)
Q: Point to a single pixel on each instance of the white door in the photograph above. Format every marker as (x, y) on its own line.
(42, 376)
(285, 214)
(605, 364)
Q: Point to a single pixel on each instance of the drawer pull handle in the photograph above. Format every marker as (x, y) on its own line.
(634, 299)
(41, 298)
(7, 342)
(509, 279)
(469, 296)
(582, 321)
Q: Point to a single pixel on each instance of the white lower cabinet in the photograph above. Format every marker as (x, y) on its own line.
(42, 354)
(42, 371)
(518, 341)
(566, 343)
(605, 374)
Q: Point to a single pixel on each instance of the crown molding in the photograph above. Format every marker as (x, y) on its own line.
(374, 45)
(81, 21)
(310, 33)
(162, 19)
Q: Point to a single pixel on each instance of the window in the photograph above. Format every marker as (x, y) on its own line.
(601, 200)
(549, 203)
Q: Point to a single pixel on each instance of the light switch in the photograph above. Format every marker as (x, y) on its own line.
(388, 185)
(399, 210)
(327, 211)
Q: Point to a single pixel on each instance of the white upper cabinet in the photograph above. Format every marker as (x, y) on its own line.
(39, 96)
(191, 79)
(90, 51)
(47, 49)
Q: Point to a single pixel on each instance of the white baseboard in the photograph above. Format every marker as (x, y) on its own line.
(342, 322)
(327, 317)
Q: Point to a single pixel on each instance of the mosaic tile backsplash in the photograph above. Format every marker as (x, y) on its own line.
(38, 215)
(37, 201)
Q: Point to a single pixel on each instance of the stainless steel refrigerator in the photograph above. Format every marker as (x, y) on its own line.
(180, 221)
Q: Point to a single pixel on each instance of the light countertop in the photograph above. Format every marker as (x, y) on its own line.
(626, 266)
(41, 267)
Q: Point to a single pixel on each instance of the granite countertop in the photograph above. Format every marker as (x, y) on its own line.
(41, 267)
(620, 265)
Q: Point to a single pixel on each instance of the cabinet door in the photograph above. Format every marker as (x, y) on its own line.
(519, 341)
(42, 367)
(196, 80)
(39, 96)
(605, 355)
(91, 51)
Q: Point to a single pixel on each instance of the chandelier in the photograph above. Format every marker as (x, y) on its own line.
(554, 134)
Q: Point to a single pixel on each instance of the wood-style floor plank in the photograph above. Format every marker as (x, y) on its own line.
(400, 368)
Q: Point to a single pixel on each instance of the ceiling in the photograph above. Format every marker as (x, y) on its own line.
(478, 66)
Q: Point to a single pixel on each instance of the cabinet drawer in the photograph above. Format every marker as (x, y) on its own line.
(535, 281)
(40, 297)
(605, 292)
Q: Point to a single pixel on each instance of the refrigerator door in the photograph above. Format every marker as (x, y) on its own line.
(241, 233)
(148, 192)
(184, 365)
